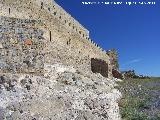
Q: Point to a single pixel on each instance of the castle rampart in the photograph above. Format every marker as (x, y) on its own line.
(66, 40)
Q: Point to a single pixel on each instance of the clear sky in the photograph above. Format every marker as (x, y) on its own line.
(133, 30)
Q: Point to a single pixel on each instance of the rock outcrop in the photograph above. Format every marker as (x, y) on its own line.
(63, 93)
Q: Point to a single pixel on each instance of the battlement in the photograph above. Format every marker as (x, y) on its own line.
(64, 37)
(66, 19)
(10, 8)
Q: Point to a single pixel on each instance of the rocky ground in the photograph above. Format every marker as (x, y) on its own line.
(141, 99)
(63, 93)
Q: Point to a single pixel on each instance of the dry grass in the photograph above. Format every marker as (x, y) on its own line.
(141, 99)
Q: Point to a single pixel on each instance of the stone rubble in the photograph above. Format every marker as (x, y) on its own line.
(63, 93)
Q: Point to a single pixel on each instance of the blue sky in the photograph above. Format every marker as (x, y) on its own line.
(133, 30)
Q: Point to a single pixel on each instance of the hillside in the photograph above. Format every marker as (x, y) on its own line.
(63, 93)
(141, 99)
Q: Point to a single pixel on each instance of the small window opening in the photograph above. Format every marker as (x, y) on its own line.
(54, 13)
(50, 35)
(69, 24)
(60, 17)
(9, 10)
(79, 32)
(69, 42)
(41, 5)
(49, 9)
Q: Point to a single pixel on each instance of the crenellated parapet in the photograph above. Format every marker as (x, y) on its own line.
(66, 19)
(65, 39)
(10, 8)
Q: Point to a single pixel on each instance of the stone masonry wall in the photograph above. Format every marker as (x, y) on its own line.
(66, 40)
(114, 58)
(21, 46)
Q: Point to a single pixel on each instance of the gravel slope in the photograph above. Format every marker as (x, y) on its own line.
(63, 93)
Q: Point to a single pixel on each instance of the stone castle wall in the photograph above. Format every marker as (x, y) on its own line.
(21, 46)
(66, 40)
(113, 54)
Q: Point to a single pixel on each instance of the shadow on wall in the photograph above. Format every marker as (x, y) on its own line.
(99, 66)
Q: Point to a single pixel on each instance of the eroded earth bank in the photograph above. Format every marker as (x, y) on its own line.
(63, 93)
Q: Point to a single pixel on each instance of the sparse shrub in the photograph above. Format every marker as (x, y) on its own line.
(138, 99)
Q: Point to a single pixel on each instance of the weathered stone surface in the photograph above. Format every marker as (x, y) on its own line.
(99, 66)
(66, 40)
(17, 55)
(45, 66)
(64, 95)
(113, 54)
(117, 74)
